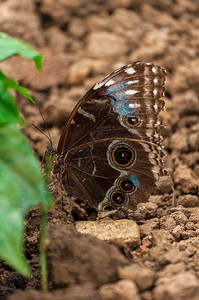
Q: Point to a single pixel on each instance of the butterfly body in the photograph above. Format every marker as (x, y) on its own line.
(110, 149)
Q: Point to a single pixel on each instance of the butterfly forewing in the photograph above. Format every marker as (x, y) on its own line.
(111, 147)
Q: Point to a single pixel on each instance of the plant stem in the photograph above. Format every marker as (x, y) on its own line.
(44, 275)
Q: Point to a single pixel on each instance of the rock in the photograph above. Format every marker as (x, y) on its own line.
(149, 226)
(161, 238)
(140, 212)
(126, 231)
(168, 223)
(118, 3)
(79, 70)
(104, 44)
(145, 210)
(193, 141)
(147, 241)
(76, 258)
(179, 140)
(181, 286)
(194, 217)
(163, 250)
(171, 269)
(143, 277)
(185, 244)
(121, 290)
(184, 176)
(196, 170)
(172, 256)
(189, 225)
(84, 292)
(183, 78)
(177, 232)
(191, 251)
(151, 209)
(57, 39)
(78, 28)
(187, 102)
(58, 114)
(146, 295)
(159, 200)
(191, 159)
(15, 21)
(188, 234)
(188, 200)
(61, 11)
(163, 186)
(124, 20)
(154, 44)
(179, 217)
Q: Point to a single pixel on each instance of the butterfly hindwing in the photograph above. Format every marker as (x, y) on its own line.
(110, 149)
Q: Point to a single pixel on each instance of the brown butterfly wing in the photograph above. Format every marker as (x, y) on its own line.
(110, 149)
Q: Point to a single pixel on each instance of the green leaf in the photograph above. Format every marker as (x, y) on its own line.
(8, 109)
(21, 188)
(11, 84)
(10, 46)
(11, 227)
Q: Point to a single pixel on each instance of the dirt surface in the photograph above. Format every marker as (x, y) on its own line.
(82, 41)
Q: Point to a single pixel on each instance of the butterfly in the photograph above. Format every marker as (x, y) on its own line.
(110, 150)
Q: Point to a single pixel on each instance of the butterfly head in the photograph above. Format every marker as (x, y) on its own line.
(50, 157)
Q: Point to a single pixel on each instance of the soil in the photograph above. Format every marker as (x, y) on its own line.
(82, 41)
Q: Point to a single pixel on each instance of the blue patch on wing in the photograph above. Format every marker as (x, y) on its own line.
(125, 107)
(117, 89)
(134, 179)
(118, 86)
(117, 95)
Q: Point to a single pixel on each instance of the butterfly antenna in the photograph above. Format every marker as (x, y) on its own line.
(49, 135)
(50, 149)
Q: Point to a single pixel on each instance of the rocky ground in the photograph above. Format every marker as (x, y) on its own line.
(82, 41)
